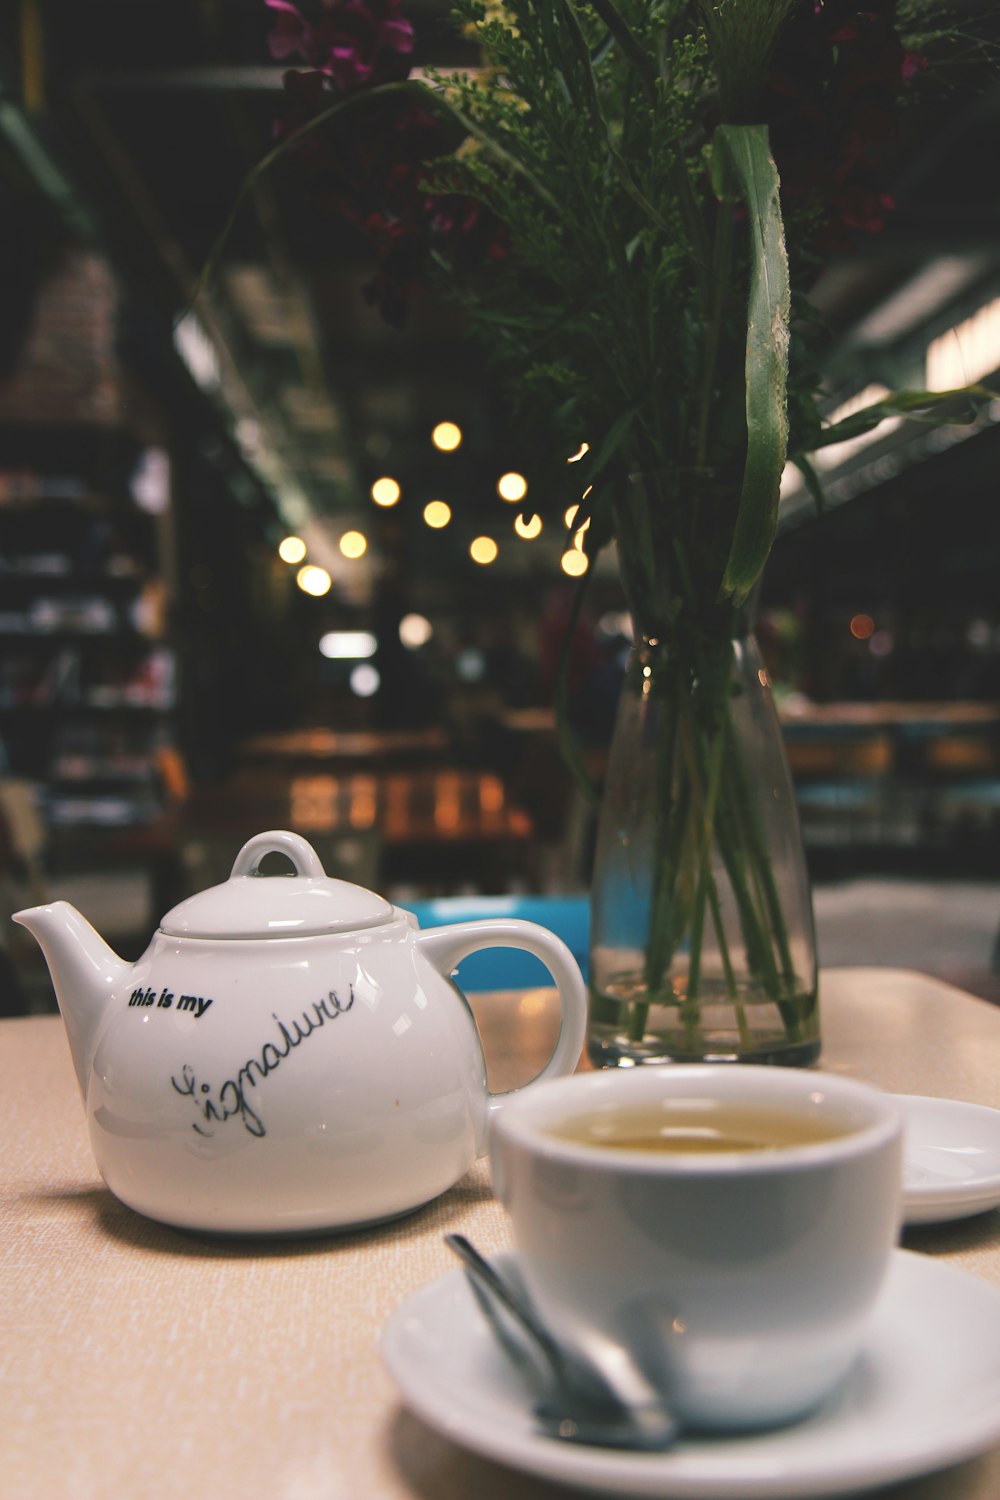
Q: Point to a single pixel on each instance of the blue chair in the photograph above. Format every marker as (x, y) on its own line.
(510, 968)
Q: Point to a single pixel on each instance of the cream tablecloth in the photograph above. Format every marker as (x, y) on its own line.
(137, 1361)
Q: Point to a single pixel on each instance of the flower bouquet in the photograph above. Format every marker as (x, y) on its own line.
(630, 200)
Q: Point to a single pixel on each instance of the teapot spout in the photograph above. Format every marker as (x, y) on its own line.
(84, 972)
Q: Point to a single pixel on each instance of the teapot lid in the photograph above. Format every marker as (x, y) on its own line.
(250, 905)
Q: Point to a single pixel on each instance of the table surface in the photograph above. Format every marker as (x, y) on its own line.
(138, 1361)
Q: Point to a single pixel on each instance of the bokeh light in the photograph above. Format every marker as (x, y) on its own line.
(385, 491)
(483, 549)
(447, 436)
(437, 513)
(862, 627)
(528, 526)
(354, 544)
(512, 487)
(313, 580)
(574, 563)
(470, 664)
(365, 680)
(347, 645)
(292, 549)
(415, 631)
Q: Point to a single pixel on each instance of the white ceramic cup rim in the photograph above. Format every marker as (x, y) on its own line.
(526, 1119)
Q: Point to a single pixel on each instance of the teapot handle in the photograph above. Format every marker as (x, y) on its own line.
(447, 946)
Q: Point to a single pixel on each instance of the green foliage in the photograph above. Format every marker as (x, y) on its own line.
(640, 300)
(626, 287)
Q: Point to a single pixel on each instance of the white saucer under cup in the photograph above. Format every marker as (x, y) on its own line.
(923, 1395)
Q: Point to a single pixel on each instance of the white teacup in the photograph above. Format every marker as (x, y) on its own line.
(741, 1279)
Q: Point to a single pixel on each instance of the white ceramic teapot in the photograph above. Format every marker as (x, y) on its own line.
(289, 1054)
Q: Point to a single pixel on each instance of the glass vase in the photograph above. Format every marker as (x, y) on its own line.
(702, 938)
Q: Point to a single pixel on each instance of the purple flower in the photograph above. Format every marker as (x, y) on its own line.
(831, 105)
(354, 43)
(370, 168)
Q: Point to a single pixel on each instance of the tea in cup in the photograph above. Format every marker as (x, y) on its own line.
(731, 1225)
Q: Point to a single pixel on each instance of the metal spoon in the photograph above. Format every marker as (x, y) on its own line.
(601, 1398)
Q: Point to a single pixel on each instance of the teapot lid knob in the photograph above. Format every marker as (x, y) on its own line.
(280, 841)
(249, 905)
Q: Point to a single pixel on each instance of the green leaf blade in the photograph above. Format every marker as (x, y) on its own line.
(743, 166)
(933, 407)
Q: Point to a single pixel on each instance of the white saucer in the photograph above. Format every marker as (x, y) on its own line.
(925, 1394)
(951, 1163)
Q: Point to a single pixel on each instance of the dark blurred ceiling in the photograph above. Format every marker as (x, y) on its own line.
(150, 114)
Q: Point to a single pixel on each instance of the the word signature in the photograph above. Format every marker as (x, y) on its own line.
(229, 1101)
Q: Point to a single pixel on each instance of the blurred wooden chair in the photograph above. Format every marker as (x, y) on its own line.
(960, 787)
(842, 783)
(452, 830)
